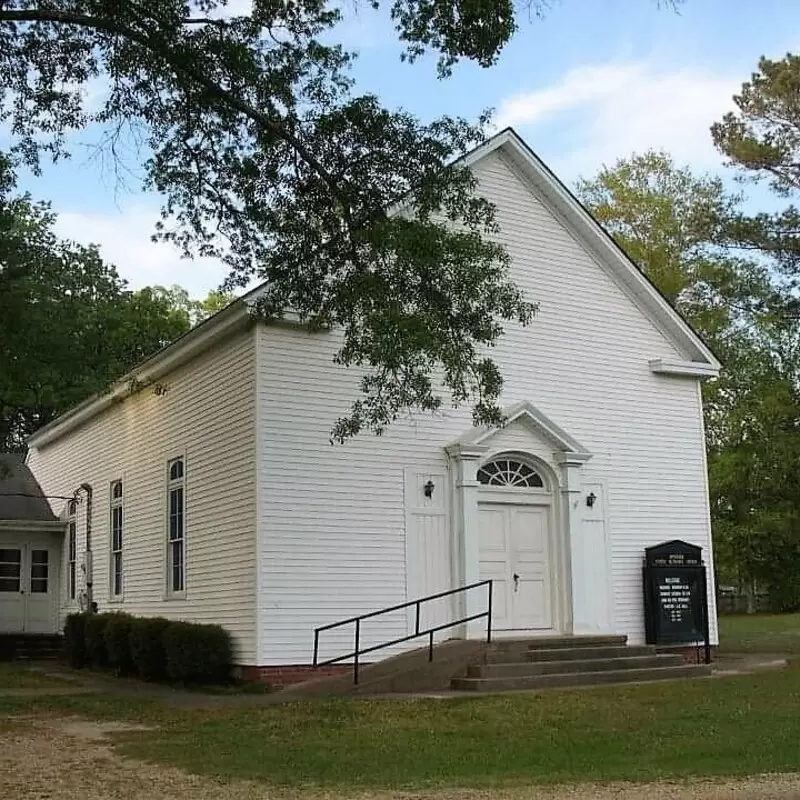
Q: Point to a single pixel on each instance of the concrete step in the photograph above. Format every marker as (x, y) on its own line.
(45, 655)
(527, 668)
(30, 647)
(579, 678)
(579, 653)
(572, 642)
(569, 654)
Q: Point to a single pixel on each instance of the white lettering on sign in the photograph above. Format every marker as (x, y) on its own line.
(675, 599)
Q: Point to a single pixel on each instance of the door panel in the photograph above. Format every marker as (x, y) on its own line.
(42, 588)
(494, 562)
(531, 560)
(515, 554)
(12, 598)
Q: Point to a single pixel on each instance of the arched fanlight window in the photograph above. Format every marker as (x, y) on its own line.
(507, 471)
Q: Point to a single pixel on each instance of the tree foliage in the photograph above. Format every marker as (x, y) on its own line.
(194, 311)
(754, 458)
(68, 324)
(762, 139)
(763, 135)
(757, 475)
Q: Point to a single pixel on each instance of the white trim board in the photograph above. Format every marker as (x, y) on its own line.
(689, 369)
(33, 526)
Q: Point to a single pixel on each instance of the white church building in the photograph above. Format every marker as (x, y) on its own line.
(207, 488)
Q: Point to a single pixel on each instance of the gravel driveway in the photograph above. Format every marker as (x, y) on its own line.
(69, 759)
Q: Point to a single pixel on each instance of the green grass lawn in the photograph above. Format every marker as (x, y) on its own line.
(14, 676)
(760, 633)
(732, 726)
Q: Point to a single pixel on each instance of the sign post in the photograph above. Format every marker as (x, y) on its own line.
(676, 596)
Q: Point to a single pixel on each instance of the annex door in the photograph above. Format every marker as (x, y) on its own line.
(28, 587)
(12, 591)
(515, 554)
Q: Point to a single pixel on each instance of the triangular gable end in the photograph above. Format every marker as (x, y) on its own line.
(548, 429)
(631, 280)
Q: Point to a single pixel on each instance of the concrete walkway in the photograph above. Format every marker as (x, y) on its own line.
(726, 664)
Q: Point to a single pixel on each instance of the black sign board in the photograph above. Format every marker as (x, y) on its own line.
(675, 595)
(674, 554)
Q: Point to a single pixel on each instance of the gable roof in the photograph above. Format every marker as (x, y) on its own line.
(21, 497)
(607, 253)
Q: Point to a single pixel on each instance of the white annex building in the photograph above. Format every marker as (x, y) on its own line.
(208, 490)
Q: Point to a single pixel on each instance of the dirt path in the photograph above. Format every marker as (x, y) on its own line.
(71, 758)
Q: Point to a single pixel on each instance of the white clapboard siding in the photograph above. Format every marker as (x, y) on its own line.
(208, 416)
(333, 530)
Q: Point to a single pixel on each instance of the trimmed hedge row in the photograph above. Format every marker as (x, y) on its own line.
(152, 648)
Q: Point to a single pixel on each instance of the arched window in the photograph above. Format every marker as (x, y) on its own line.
(72, 549)
(176, 532)
(116, 539)
(176, 469)
(509, 471)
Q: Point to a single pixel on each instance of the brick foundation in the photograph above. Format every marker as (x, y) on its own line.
(287, 674)
(691, 655)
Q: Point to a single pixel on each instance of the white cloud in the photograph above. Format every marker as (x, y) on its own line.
(123, 236)
(596, 114)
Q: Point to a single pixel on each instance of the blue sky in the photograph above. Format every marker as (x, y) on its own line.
(594, 81)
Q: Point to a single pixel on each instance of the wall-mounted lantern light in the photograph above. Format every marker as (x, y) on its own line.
(590, 498)
(428, 489)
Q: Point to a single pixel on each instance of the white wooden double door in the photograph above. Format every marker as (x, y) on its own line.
(28, 587)
(515, 552)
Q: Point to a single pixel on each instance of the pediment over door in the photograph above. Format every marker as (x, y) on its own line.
(552, 440)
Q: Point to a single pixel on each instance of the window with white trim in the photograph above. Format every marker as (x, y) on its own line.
(116, 522)
(506, 471)
(72, 549)
(176, 522)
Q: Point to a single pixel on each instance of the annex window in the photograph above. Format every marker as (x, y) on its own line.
(176, 525)
(40, 571)
(116, 539)
(510, 472)
(10, 569)
(72, 548)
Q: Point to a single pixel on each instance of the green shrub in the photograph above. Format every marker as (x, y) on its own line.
(197, 653)
(147, 647)
(117, 638)
(75, 640)
(96, 652)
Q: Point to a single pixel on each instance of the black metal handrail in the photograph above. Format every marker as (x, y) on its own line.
(355, 654)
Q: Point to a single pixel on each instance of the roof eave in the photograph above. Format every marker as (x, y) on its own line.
(25, 525)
